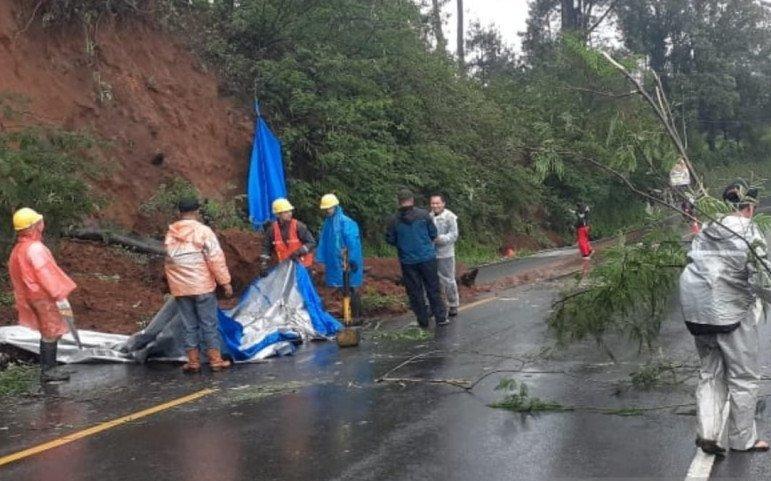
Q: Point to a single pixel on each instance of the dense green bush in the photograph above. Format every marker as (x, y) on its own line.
(221, 215)
(45, 170)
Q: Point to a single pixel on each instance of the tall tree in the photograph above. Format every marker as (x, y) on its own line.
(489, 56)
(436, 25)
(550, 18)
(713, 57)
(461, 38)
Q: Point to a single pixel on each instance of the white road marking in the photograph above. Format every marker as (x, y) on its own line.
(701, 466)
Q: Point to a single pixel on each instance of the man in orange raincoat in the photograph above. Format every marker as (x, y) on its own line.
(40, 289)
(195, 264)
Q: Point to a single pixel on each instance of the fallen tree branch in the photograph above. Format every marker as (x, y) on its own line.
(147, 246)
(662, 113)
(408, 361)
(461, 383)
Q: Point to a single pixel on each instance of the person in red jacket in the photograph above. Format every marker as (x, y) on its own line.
(40, 289)
(582, 230)
(194, 265)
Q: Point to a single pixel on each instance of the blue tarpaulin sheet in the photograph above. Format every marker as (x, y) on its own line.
(266, 181)
(273, 313)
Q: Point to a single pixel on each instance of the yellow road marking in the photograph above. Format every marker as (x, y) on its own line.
(102, 427)
(477, 303)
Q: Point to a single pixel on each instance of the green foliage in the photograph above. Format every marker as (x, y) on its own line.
(373, 302)
(6, 299)
(628, 293)
(226, 215)
(715, 63)
(45, 170)
(475, 253)
(363, 107)
(62, 12)
(167, 196)
(17, 379)
(518, 399)
(409, 334)
(654, 374)
(221, 215)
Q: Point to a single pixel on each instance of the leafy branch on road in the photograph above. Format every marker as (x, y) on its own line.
(518, 399)
(408, 334)
(17, 379)
(655, 374)
(627, 294)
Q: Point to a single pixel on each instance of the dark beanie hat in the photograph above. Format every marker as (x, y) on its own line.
(189, 204)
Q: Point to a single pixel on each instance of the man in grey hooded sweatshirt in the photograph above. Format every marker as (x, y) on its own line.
(447, 234)
(722, 291)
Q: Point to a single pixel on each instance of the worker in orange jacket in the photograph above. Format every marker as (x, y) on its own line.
(194, 265)
(40, 289)
(287, 237)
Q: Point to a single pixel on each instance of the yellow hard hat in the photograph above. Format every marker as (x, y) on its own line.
(329, 201)
(25, 218)
(281, 205)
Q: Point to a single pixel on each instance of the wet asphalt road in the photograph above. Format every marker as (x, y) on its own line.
(320, 415)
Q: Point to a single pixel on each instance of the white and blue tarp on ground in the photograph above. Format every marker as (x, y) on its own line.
(272, 316)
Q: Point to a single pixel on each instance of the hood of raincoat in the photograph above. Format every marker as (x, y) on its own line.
(184, 231)
(716, 287)
(195, 263)
(30, 235)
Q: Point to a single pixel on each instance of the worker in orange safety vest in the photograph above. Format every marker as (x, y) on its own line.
(286, 237)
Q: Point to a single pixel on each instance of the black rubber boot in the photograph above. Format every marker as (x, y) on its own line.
(48, 370)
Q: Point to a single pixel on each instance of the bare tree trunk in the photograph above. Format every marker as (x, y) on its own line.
(147, 246)
(461, 39)
(569, 16)
(436, 25)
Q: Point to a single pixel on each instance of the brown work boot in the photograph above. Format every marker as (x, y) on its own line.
(193, 363)
(215, 360)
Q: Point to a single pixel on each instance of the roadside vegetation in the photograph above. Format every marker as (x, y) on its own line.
(45, 167)
(367, 98)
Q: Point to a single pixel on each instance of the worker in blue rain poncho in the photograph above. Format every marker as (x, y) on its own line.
(722, 291)
(338, 234)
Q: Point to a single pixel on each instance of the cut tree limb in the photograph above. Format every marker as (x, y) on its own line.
(147, 246)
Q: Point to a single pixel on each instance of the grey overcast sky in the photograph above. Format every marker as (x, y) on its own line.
(508, 15)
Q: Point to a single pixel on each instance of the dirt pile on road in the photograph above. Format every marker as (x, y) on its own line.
(242, 251)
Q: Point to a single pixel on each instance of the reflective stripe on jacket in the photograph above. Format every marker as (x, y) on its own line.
(286, 247)
(195, 263)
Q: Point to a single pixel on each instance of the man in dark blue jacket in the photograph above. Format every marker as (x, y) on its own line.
(412, 231)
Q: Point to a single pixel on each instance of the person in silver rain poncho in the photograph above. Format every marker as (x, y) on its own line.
(722, 291)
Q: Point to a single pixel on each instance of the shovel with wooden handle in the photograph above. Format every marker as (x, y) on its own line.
(348, 336)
